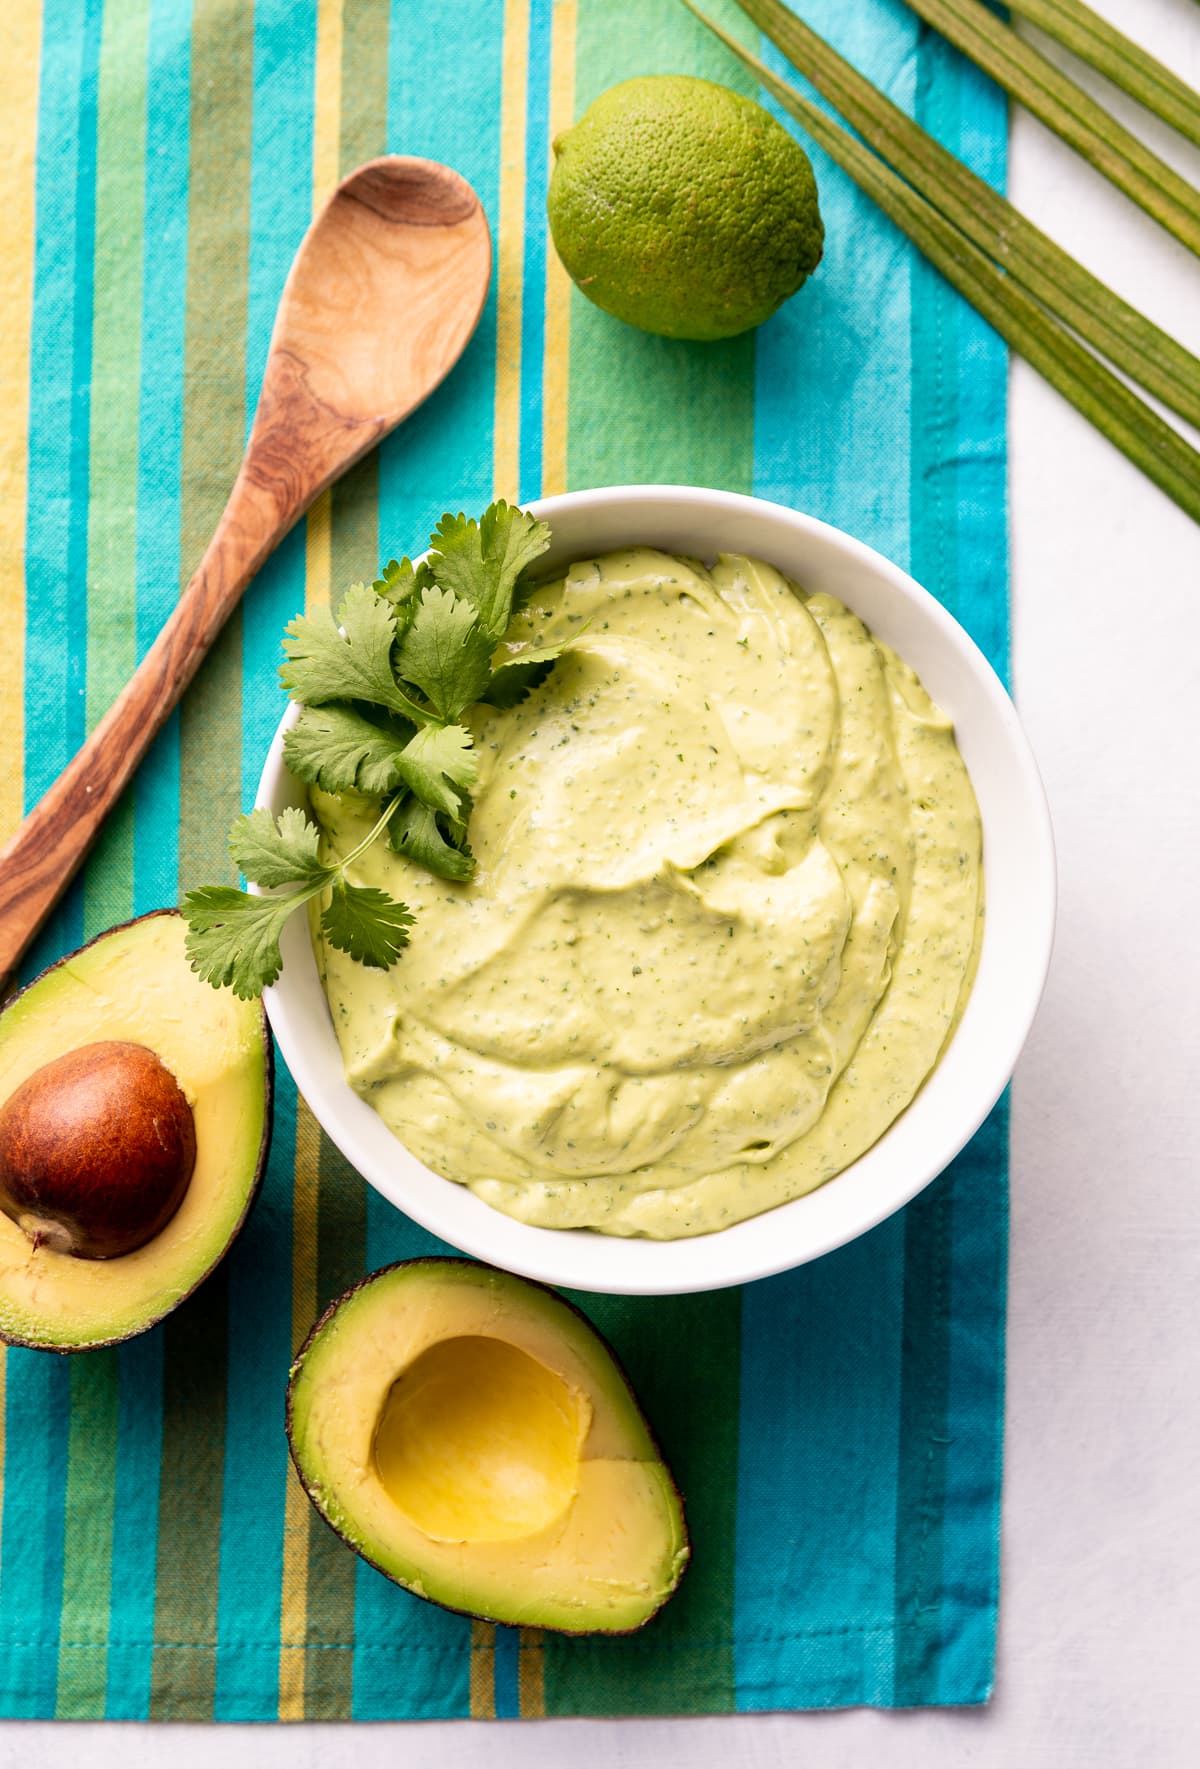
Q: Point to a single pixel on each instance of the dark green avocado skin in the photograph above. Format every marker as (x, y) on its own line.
(315, 1494)
(260, 1167)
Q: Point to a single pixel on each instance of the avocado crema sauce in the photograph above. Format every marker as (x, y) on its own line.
(725, 917)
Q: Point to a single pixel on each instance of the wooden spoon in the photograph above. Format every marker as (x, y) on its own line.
(383, 295)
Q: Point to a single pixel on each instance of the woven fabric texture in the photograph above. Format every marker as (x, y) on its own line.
(837, 1430)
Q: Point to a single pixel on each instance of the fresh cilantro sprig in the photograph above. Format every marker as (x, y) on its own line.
(383, 690)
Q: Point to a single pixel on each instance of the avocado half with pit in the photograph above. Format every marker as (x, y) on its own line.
(135, 1114)
(472, 1436)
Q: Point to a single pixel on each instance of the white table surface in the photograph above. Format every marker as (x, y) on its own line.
(1100, 1613)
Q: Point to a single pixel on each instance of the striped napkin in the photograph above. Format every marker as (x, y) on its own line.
(836, 1430)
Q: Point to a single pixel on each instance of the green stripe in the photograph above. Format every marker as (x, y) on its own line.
(682, 1356)
(87, 1545)
(108, 883)
(341, 1193)
(332, 1569)
(210, 772)
(363, 123)
(189, 1512)
(116, 363)
(921, 1480)
(648, 409)
(928, 1223)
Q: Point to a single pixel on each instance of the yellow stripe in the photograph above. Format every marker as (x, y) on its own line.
(18, 107)
(318, 564)
(327, 99)
(531, 1675)
(3, 1385)
(293, 1618)
(510, 251)
(556, 369)
(318, 553)
(483, 1671)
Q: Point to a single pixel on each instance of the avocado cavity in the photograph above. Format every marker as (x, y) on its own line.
(477, 1441)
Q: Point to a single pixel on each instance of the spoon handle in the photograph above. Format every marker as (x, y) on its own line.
(38, 863)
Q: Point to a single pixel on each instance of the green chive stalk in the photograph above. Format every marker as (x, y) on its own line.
(1067, 109)
(1132, 343)
(1101, 396)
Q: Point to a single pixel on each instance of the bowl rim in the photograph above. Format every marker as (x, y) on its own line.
(821, 1220)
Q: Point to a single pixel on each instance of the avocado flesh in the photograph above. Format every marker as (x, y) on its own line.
(135, 984)
(471, 1435)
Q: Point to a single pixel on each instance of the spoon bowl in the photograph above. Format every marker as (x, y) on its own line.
(382, 297)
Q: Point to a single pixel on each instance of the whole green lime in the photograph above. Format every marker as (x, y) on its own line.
(683, 208)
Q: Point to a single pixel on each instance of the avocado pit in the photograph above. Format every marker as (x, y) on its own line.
(97, 1150)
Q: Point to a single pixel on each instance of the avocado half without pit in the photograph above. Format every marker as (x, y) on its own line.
(134, 1123)
(472, 1436)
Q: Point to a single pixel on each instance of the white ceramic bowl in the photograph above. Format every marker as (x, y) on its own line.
(1019, 881)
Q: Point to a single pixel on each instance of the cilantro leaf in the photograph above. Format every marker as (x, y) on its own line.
(382, 686)
(440, 766)
(233, 939)
(514, 676)
(283, 853)
(513, 681)
(324, 664)
(446, 652)
(340, 749)
(368, 924)
(416, 833)
(401, 579)
(481, 561)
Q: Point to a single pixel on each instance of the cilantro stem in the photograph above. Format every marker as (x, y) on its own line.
(366, 841)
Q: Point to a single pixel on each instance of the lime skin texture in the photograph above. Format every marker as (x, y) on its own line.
(683, 208)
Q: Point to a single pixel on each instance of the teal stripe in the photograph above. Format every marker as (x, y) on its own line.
(975, 1413)
(819, 1424)
(280, 211)
(56, 530)
(533, 308)
(974, 1418)
(260, 1269)
(929, 1221)
(253, 1493)
(156, 825)
(817, 1478)
(441, 457)
(135, 1527)
(955, 1362)
(834, 364)
(37, 1417)
(981, 371)
(81, 403)
(506, 1670)
(38, 1387)
(160, 429)
(929, 1227)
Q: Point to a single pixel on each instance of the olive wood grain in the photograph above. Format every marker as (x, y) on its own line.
(384, 293)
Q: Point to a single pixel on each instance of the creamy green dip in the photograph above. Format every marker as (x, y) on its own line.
(725, 916)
